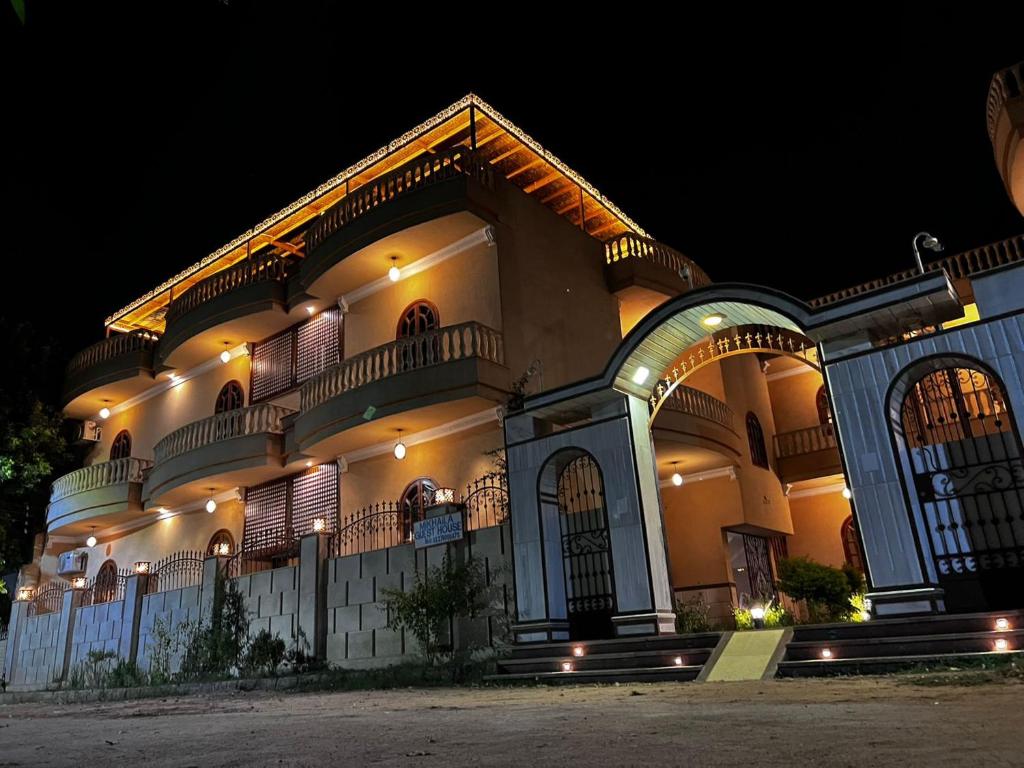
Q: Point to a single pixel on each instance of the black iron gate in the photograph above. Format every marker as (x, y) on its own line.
(586, 550)
(969, 479)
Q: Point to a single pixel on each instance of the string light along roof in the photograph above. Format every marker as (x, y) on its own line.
(511, 152)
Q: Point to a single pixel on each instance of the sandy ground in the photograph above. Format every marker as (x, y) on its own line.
(857, 722)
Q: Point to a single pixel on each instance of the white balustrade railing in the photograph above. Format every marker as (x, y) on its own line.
(128, 470)
(696, 403)
(441, 345)
(255, 419)
(800, 441)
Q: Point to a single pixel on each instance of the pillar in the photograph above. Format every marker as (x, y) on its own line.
(19, 613)
(66, 630)
(131, 617)
(312, 613)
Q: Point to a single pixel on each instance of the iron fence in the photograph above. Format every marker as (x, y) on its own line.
(176, 571)
(263, 552)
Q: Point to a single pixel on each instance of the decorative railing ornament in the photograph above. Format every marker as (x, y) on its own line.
(739, 340)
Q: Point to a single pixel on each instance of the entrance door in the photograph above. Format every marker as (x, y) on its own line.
(586, 550)
(968, 475)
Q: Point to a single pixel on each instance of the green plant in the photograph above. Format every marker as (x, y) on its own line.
(429, 609)
(827, 591)
(693, 616)
(91, 672)
(774, 616)
(161, 643)
(264, 654)
(216, 650)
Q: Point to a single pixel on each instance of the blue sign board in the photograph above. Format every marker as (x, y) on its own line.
(438, 530)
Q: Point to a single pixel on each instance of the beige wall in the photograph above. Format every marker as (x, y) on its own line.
(695, 515)
(708, 379)
(794, 402)
(817, 521)
(451, 461)
(463, 288)
(154, 419)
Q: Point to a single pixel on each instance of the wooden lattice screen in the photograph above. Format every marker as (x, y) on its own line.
(286, 509)
(284, 361)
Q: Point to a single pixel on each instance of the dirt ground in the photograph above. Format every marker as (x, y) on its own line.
(852, 722)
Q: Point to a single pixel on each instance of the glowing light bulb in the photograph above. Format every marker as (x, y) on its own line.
(578, 650)
(1002, 624)
(319, 525)
(641, 375)
(678, 661)
(677, 479)
(91, 541)
(757, 613)
(104, 413)
(567, 666)
(399, 450)
(394, 274)
(847, 493)
(225, 356)
(826, 653)
(211, 506)
(1002, 645)
(311, 309)
(713, 320)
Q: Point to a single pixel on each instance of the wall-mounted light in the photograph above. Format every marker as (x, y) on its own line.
(223, 549)
(713, 320)
(141, 567)
(641, 375)
(444, 496)
(400, 450)
(24, 594)
(826, 653)
(677, 479)
(394, 273)
(310, 309)
(78, 582)
(1001, 645)
(319, 525)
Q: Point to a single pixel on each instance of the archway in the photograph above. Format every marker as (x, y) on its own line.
(955, 435)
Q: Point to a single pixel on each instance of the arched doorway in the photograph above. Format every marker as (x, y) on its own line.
(121, 447)
(966, 477)
(585, 545)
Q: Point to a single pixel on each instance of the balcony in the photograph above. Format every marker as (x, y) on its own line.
(1005, 117)
(410, 384)
(807, 453)
(427, 188)
(109, 371)
(699, 424)
(101, 494)
(246, 301)
(235, 448)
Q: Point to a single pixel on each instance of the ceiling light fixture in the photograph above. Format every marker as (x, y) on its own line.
(394, 273)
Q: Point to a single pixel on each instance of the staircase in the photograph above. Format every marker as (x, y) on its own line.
(642, 659)
(888, 645)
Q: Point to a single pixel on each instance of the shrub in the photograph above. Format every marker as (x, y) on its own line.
(826, 590)
(693, 616)
(216, 650)
(264, 654)
(774, 616)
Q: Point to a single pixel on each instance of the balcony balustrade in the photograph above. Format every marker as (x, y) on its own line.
(632, 246)
(264, 418)
(98, 493)
(109, 370)
(806, 453)
(442, 345)
(257, 269)
(106, 473)
(693, 402)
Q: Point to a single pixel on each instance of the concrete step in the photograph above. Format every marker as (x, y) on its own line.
(603, 661)
(632, 675)
(881, 664)
(940, 624)
(667, 643)
(873, 647)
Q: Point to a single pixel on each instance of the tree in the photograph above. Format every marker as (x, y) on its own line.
(827, 590)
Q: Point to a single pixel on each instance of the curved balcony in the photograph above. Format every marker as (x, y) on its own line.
(235, 448)
(807, 453)
(109, 371)
(1005, 117)
(636, 262)
(426, 188)
(101, 494)
(410, 384)
(244, 302)
(694, 418)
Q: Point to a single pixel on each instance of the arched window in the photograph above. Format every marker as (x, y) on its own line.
(417, 496)
(104, 587)
(221, 543)
(231, 398)
(851, 546)
(121, 448)
(419, 317)
(755, 436)
(821, 403)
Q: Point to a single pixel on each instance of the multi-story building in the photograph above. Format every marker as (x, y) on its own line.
(366, 352)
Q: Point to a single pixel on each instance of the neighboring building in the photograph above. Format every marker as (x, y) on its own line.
(677, 438)
(1005, 114)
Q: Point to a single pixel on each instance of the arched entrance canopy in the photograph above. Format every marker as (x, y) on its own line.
(658, 341)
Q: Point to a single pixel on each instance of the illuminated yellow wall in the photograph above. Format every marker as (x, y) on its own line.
(695, 515)
(817, 521)
(794, 402)
(154, 419)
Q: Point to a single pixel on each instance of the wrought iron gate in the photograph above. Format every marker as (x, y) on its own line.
(968, 475)
(586, 550)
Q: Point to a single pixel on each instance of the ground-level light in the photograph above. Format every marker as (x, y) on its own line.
(1002, 624)
(826, 653)
(1002, 645)
(578, 650)
(567, 666)
(678, 661)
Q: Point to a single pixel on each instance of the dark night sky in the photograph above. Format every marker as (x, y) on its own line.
(791, 150)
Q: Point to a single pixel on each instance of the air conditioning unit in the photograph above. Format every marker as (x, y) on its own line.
(72, 563)
(89, 432)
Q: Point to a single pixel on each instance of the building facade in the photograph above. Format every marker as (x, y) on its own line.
(461, 300)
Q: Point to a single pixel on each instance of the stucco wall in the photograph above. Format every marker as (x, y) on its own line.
(463, 288)
(152, 420)
(356, 620)
(96, 628)
(817, 524)
(695, 515)
(794, 398)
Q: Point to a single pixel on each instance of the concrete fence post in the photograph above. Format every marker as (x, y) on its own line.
(212, 567)
(66, 631)
(131, 617)
(19, 613)
(312, 619)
